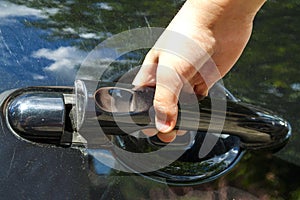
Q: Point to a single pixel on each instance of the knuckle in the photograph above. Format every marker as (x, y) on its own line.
(185, 71)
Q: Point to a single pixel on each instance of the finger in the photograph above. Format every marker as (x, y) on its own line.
(150, 131)
(171, 136)
(164, 137)
(201, 89)
(207, 76)
(168, 87)
(167, 137)
(147, 74)
(181, 132)
(210, 74)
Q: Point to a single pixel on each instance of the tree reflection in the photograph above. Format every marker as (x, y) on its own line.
(267, 73)
(89, 22)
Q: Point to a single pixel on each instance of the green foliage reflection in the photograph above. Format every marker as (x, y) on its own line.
(267, 74)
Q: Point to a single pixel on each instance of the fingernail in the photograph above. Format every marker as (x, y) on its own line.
(162, 126)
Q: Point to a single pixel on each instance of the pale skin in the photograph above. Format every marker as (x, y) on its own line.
(221, 28)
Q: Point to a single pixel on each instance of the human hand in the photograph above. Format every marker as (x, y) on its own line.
(200, 45)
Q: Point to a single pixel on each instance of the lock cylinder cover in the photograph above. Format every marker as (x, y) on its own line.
(38, 116)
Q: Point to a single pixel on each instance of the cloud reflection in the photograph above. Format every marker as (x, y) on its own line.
(13, 10)
(65, 60)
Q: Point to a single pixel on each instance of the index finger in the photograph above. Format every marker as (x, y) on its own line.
(168, 88)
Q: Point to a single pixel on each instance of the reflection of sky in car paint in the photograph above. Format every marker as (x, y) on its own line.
(23, 54)
(9, 9)
(30, 56)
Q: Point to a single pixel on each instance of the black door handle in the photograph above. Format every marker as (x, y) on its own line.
(125, 106)
(50, 115)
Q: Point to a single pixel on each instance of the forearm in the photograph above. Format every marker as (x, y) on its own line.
(210, 11)
(211, 16)
(247, 6)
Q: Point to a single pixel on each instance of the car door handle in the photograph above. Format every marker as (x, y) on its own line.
(68, 116)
